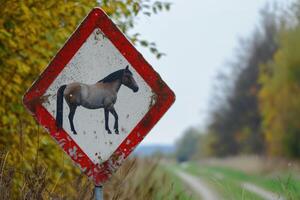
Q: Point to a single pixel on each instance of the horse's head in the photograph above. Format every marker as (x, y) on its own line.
(128, 80)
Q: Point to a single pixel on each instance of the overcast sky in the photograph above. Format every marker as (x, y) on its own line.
(199, 37)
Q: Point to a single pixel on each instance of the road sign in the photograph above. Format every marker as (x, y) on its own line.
(98, 98)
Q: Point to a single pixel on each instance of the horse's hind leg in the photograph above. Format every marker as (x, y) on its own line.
(106, 117)
(116, 125)
(71, 117)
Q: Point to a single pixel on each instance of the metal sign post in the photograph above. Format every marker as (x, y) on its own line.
(98, 98)
(98, 191)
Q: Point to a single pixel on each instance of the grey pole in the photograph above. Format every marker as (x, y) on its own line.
(98, 191)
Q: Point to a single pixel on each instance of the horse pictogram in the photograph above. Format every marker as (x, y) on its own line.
(102, 94)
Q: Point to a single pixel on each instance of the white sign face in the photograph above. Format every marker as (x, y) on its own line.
(98, 80)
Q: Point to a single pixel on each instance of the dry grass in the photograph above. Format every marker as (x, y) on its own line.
(140, 179)
(136, 179)
(255, 164)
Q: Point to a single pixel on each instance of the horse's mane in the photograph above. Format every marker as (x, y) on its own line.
(114, 76)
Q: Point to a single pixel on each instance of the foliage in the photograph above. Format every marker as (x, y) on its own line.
(186, 146)
(125, 13)
(30, 34)
(209, 146)
(280, 97)
(235, 123)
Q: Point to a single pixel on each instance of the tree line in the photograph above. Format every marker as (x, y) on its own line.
(256, 105)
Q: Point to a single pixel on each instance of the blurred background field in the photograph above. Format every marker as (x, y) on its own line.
(247, 146)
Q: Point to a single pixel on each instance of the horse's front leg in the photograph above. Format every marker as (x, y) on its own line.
(71, 117)
(116, 125)
(106, 117)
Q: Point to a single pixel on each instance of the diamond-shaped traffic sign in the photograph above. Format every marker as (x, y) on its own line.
(98, 98)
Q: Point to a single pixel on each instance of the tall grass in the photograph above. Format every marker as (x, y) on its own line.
(136, 179)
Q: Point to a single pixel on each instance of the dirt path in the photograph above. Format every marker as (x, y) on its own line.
(262, 192)
(198, 186)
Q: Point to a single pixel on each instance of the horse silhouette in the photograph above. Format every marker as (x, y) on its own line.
(102, 94)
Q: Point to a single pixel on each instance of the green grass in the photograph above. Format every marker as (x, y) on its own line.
(228, 182)
(281, 184)
(178, 187)
(227, 188)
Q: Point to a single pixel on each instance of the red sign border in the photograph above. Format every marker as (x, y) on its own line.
(163, 96)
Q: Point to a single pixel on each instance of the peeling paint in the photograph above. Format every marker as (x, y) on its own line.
(153, 100)
(73, 152)
(115, 162)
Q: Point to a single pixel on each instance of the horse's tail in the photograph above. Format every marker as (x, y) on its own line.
(59, 106)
